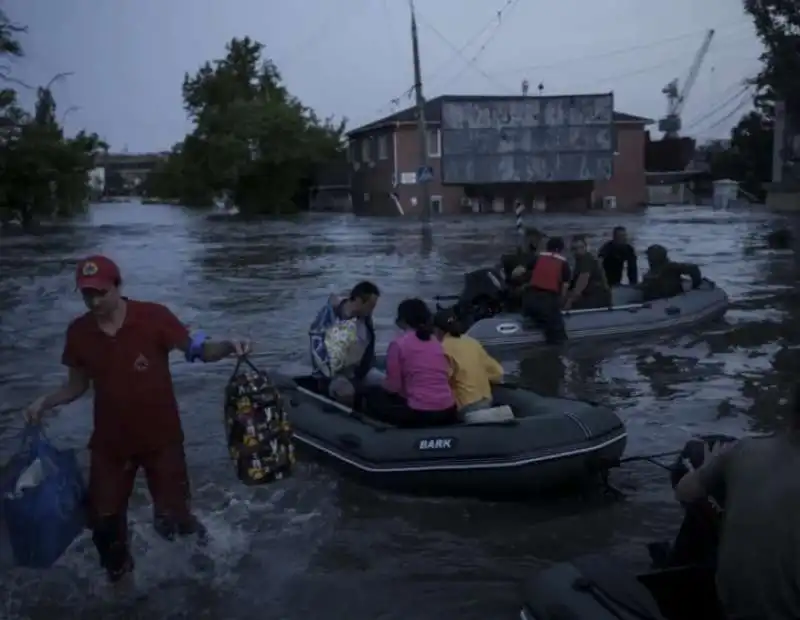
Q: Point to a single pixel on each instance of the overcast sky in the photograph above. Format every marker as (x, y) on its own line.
(352, 58)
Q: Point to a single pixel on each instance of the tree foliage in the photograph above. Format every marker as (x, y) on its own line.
(749, 157)
(252, 140)
(42, 172)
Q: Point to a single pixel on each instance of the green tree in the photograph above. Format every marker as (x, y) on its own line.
(252, 139)
(42, 173)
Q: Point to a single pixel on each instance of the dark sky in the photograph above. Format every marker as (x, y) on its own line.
(352, 58)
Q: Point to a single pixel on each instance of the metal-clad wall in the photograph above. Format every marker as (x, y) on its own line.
(527, 139)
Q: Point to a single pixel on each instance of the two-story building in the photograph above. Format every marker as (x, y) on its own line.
(385, 155)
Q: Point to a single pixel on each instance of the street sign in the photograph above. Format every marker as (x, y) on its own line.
(424, 174)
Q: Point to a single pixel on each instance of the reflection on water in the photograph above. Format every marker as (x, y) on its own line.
(318, 544)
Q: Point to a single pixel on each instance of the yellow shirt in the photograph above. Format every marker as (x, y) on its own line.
(472, 369)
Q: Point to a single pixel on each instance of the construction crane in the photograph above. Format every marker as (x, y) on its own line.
(671, 123)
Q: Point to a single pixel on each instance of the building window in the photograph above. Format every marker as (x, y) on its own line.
(383, 146)
(365, 151)
(436, 204)
(434, 143)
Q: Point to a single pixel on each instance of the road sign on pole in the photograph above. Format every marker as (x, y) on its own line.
(424, 174)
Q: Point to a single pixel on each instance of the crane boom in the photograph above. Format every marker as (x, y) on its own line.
(671, 124)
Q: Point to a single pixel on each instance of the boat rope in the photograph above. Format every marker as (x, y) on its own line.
(651, 458)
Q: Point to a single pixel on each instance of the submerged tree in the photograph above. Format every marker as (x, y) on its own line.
(42, 173)
(252, 139)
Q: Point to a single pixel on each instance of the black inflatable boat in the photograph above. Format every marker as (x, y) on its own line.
(680, 585)
(549, 442)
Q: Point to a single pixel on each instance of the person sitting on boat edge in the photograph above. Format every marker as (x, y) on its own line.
(758, 564)
(342, 342)
(665, 277)
(616, 253)
(588, 288)
(472, 369)
(416, 391)
(549, 279)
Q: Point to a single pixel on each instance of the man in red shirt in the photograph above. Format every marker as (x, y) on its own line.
(121, 347)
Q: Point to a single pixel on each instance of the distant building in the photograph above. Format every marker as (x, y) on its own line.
(570, 152)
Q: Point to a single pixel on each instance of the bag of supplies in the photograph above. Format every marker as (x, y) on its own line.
(42, 500)
(258, 431)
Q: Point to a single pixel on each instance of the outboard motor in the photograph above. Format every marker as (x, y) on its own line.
(698, 538)
(484, 294)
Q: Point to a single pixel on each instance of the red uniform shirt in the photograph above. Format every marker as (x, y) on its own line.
(135, 409)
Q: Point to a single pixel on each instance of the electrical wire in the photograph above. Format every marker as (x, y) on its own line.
(746, 100)
(469, 63)
(392, 104)
(508, 7)
(744, 87)
(622, 50)
(395, 101)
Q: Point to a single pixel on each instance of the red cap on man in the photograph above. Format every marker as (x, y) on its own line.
(97, 272)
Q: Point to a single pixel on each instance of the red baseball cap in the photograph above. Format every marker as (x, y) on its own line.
(97, 272)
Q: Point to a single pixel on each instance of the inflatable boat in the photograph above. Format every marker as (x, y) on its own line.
(547, 442)
(483, 310)
(680, 584)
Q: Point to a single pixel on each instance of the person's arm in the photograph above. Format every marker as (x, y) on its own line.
(583, 270)
(494, 370)
(699, 483)
(633, 267)
(566, 278)
(693, 272)
(73, 388)
(196, 346)
(394, 369)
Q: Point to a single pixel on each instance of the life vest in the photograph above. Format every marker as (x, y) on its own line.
(547, 273)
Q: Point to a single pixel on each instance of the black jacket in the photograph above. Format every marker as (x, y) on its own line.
(614, 255)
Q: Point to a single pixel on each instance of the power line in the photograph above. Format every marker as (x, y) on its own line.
(508, 7)
(745, 101)
(468, 62)
(613, 52)
(395, 101)
(743, 88)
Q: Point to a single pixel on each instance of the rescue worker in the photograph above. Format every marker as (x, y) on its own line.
(664, 278)
(615, 254)
(758, 564)
(548, 285)
(121, 348)
(588, 288)
(515, 266)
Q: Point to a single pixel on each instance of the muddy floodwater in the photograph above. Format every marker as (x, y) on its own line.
(317, 545)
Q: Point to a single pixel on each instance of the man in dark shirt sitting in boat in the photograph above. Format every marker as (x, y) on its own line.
(615, 254)
(665, 277)
(588, 288)
(758, 566)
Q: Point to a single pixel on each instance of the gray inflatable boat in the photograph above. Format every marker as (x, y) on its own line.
(550, 442)
(629, 316)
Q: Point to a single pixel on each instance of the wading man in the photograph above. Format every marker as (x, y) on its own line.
(121, 347)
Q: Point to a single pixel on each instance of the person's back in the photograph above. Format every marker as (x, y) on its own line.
(424, 372)
(758, 574)
(472, 371)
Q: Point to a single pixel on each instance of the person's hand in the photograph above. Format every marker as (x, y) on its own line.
(241, 347)
(33, 412)
(717, 449)
(568, 303)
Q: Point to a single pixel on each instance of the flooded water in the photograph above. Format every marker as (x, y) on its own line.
(318, 545)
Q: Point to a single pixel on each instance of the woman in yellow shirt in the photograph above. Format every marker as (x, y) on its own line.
(472, 369)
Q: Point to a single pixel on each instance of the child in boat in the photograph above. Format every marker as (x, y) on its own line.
(416, 391)
(472, 369)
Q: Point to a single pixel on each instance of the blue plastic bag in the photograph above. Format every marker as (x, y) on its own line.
(42, 497)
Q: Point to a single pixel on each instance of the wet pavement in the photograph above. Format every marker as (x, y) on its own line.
(318, 545)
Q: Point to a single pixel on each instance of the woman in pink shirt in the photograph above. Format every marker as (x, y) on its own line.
(416, 391)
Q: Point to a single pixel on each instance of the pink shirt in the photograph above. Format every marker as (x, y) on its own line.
(418, 371)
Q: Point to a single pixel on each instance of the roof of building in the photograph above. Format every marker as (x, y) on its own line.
(433, 112)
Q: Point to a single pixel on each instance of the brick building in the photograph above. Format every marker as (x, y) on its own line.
(385, 155)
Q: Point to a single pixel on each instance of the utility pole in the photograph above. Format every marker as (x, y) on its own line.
(421, 124)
